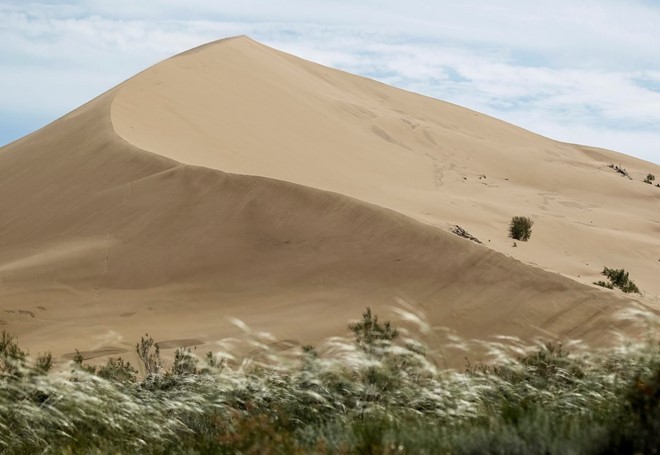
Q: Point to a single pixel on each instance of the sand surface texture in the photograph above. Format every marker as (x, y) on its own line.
(235, 180)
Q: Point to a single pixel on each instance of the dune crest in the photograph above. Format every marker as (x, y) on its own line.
(236, 180)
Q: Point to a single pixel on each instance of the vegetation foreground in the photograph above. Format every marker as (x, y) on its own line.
(376, 392)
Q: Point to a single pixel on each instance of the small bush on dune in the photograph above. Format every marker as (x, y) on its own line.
(520, 228)
(620, 170)
(604, 284)
(649, 179)
(618, 278)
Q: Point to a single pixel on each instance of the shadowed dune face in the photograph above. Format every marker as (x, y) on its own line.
(239, 181)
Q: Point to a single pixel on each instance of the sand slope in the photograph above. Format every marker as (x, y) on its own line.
(235, 180)
(241, 107)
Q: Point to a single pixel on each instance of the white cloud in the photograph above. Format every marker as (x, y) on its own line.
(577, 71)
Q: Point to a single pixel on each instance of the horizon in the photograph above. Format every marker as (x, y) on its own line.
(579, 74)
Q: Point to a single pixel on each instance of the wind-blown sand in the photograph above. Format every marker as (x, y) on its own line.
(236, 180)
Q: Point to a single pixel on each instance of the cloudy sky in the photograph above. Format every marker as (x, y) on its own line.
(579, 71)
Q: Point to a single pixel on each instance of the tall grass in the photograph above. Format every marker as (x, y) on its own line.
(375, 391)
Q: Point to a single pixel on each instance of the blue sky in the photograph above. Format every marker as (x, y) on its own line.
(585, 72)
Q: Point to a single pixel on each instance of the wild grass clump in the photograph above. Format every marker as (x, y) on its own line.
(520, 228)
(618, 278)
(377, 391)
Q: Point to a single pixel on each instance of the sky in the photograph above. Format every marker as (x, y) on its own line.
(583, 71)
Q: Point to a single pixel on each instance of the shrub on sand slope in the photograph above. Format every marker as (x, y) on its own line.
(618, 278)
(520, 228)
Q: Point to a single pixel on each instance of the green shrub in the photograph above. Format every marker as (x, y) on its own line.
(185, 362)
(148, 352)
(618, 278)
(44, 362)
(520, 228)
(604, 284)
(649, 179)
(117, 370)
(370, 335)
(80, 366)
(12, 358)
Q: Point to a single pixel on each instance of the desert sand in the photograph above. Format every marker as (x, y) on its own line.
(235, 180)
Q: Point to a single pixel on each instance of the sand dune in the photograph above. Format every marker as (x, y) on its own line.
(236, 180)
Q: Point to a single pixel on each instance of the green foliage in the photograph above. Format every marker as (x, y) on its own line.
(12, 358)
(184, 362)
(79, 365)
(520, 228)
(213, 364)
(649, 179)
(618, 278)
(374, 393)
(640, 431)
(117, 370)
(604, 284)
(370, 335)
(44, 362)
